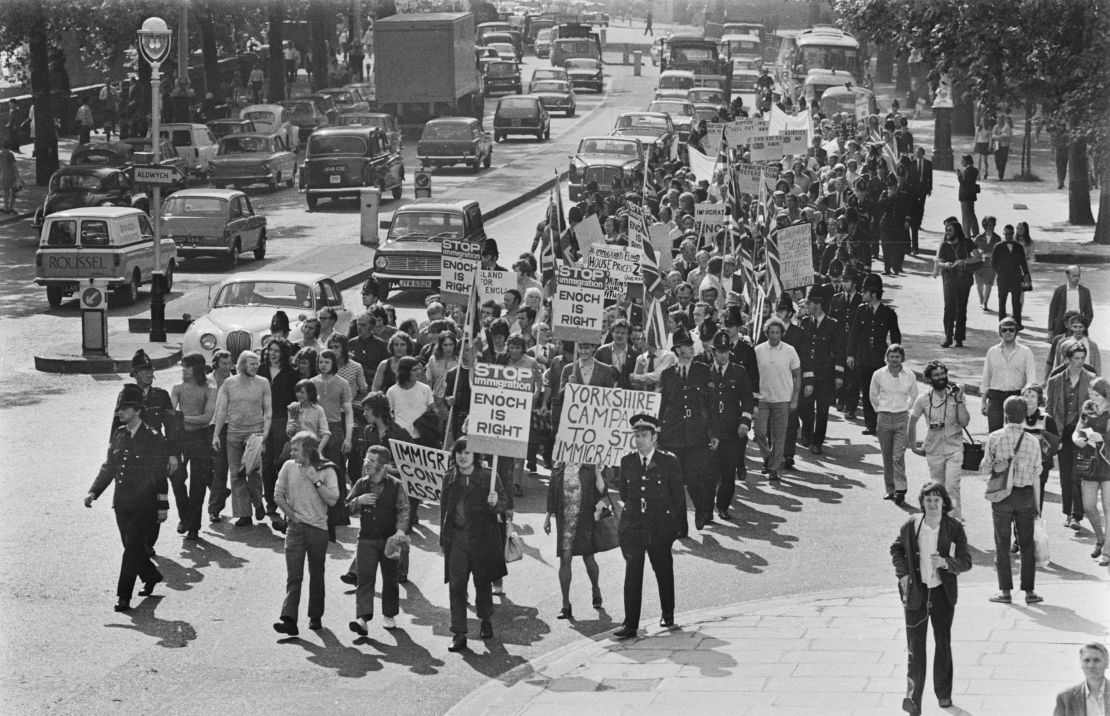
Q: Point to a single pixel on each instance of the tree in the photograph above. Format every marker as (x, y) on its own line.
(276, 37)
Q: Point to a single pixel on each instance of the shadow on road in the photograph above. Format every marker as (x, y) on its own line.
(171, 634)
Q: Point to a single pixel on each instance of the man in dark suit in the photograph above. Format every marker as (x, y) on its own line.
(1068, 296)
(654, 517)
(1011, 270)
(922, 189)
(1095, 689)
(822, 367)
(619, 354)
(587, 370)
(843, 310)
(684, 414)
(731, 405)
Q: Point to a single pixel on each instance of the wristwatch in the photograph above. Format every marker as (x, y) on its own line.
(318, 483)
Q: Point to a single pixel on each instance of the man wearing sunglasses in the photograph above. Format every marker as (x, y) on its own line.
(1009, 366)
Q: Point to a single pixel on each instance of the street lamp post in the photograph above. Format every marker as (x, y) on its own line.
(154, 43)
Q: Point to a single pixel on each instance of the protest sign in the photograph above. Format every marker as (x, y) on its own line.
(589, 233)
(701, 166)
(622, 270)
(711, 142)
(747, 178)
(708, 220)
(421, 468)
(637, 227)
(739, 132)
(594, 423)
(795, 142)
(766, 148)
(862, 106)
(458, 269)
(576, 312)
(500, 409)
(492, 285)
(795, 255)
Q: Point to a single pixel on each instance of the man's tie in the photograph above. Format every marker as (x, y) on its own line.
(651, 363)
(644, 458)
(682, 372)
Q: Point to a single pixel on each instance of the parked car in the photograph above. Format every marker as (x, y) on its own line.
(654, 130)
(109, 243)
(223, 127)
(253, 159)
(521, 115)
(346, 100)
(615, 163)
(269, 118)
(681, 113)
(306, 116)
(409, 258)
(195, 144)
(674, 84)
(340, 161)
(385, 122)
(168, 157)
(89, 185)
(455, 140)
(241, 307)
(556, 96)
(543, 43)
(502, 76)
(214, 222)
(585, 73)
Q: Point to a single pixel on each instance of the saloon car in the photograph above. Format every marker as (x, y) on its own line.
(410, 256)
(305, 116)
(502, 76)
(223, 127)
(585, 73)
(654, 130)
(385, 122)
(455, 140)
(549, 73)
(241, 307)
(681, 113)
(556, 96)
(674, 84)
(340, 161)
(614, 163)
(253, 159)
(272, 118)
(214, 222)
(521, 115)
(346, 100)
(89, 185)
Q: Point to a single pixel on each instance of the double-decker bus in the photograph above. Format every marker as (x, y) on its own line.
(823, 47)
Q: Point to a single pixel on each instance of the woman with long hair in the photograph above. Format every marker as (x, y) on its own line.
(400, 345)
(572, 496)
(983, 146)
(277, 368)
(444, 358)
(336, 398)
(195, 398)
(352, 372)
(305, 363)
(1021, 236)
(984, 275)
(968, 193)
(1092, 436)
(409, 398)
(1002, 137)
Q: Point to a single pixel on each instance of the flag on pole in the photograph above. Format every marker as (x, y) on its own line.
(657, 327)
(649, 268)
(547, 244)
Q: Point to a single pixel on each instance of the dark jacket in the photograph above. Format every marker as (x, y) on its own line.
(483, 527)
(924, 176)
(368, 352)
(387, 515)
(743, 354)
(969, 183)
(137, 466)
(1056, 395)
(654, 500)
(282, 392)
(871, 332)
(1008, 261)
(1073, 702)
(160, 415)
(604, 376)
(951, 545)
(822, 351)
(843, 309)
(605, 355)
(1059, 306)
(731, 399)
(960, 250)
(684, 407)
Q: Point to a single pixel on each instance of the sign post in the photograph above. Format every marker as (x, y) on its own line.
(370, 199)
(94, 318)
(422, 183)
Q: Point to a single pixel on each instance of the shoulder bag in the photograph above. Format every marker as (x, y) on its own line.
(514, 549)
(605, 526)
(999, 484)
(973, 453)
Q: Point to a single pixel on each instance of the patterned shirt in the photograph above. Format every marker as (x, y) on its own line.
(1026, 464)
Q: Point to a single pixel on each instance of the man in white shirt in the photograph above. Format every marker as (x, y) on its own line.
(892, 391)
(945, 411)
(780, 380)
(1008, 368)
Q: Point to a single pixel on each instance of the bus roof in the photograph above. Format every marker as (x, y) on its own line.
(826, 37)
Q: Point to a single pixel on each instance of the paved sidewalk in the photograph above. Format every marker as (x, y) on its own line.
(833, 653)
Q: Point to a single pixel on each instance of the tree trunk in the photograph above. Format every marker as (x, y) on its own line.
(277, 60)
(46, 135)
(1079, 185)
(1027, 142)
(1102, 228)
(884, 66)
(902, 77)
(318, 28)
(206, 28)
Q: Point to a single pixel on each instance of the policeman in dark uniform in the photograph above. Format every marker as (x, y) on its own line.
(843, 310)
(822, 367)
(874, 327)
(730, 410)
(687, 430)
(743, 352)
(136, 463)
(654, 517)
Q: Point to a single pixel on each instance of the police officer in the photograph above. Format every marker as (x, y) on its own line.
(136, 463)
(874, 327)
(822, 367)
(743, 352)
(654, 517)
(843, 310)
(687, 430)
(730, 410)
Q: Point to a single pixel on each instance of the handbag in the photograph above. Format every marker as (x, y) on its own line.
(1085, 464)
(605, 527)
(514, 548)
(973, 454)
(1040, 542)
(1027, 283)
(998, 485)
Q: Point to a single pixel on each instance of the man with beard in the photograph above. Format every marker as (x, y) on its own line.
(244, 405)
(945, 410)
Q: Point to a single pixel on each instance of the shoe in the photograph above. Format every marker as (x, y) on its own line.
(389, 622)
(358, 628)
(699, 523)
(1075, 524)
(530, 467)
(1001, 598)
(287, 627)
(181, 528)
(314, 624)
(946, 344)
(868, 431)
(723, 514)
(850, 415)
(487, 630)
(1015, 548)
(597, 599)
(889, 496)
(773, 475)
(497, 591)
(566, 613)
(260, 513)
(1104, 559)
(123, 605)
(148, 587)
(214, 517)
(764, 470)
(899, 497)
(787, 463)
(1033, 598)
(243, 522)
(944, 703)
(1097, 551)
(959, 344)
(192, 535)
(817, 450)
(518, 491)
(458, 643)
(910, 707)
(1068, 521)
(348, 578)
(625, 632)
(666, 621)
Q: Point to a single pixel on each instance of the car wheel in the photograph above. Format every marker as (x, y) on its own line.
(311, 201)
(570, 112)
(475, 165)
(292, 179)
(488, 160)
(260, 250)
(274, 181)
(167, 278)
(232, 259)
(54, 296)
(397, 191)
(539, 136)
(547, 132)
(129, 292)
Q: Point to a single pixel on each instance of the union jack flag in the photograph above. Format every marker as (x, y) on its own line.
(656, 328)
(649, 267)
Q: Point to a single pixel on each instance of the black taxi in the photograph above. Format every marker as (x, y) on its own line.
(340, 161)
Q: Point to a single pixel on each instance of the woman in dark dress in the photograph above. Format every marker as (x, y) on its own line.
(894, 226)
(572, 496)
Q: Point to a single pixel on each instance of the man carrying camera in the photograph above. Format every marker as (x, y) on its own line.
(945, 411)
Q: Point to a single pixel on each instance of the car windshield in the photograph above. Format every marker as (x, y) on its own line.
(577, 48)
(680, 108)
(642, 121)
(74, 182)
(548, 75)
(300, 108)
(550, 86)
(446, 130)
(676, 82)
(279, 294)
(603, 145)
(543, 35)
(421, 226)
(743, 47)
(194, 206)
(221, 129)
(261, 116)
(581, 64)
(342, 98)
(693, 54)
(706, 96)
(504, 48)
(244, 145)
(501, 69)
(318, 145)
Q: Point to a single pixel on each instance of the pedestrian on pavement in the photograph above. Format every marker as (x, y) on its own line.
(945, 410)
(1069, 296)
(10, 182)
(471, 505)
(1022, 237)
(968, 177)
(731, 403)
(1076, 324)
(1092, 442)
(983, 145)
(574, 495)
(956, 263)
(379, 500)
(1009, 453)
(1068, 391)
(780, 373)
(895, 222)
(893, 391)
(243, 405)
(136, 464)
(84, 120)
(654, 517)
(874, 327)
(930, 551)
(1041, 425)
(1001, 138)
(278, 369)
(255, 81)
(922, 190)
(1009, 366)
(220, 365)
(337, 400)
(1093, 693)
(647, 26)
(984, 274)
(822, 367)
(195, 398)
(1009, 263)
(307, 487)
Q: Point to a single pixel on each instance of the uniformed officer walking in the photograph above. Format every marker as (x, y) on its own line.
(874, 327)
(822, 367)
(687, 430)
(730, 408)
(654, 517)
(137, 465)
(843, 309)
